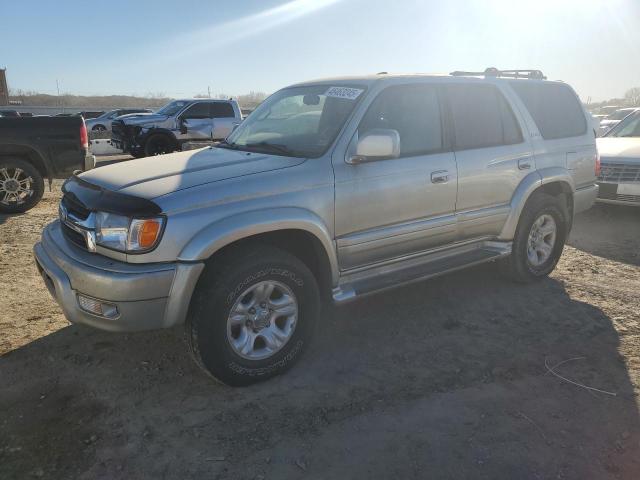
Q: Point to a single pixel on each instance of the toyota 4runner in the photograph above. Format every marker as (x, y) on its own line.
(335, 188)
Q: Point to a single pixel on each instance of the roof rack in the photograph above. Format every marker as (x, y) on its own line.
(495, 73)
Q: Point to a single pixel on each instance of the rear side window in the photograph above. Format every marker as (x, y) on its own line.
(481, 117)
(222, 110)
(412, 110)
(554, 107)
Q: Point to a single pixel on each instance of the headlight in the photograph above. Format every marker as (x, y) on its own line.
(126, 234)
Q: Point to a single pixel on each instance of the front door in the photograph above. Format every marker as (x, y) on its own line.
(392, 208)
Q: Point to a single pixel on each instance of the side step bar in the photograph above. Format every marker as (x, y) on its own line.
(379, 279)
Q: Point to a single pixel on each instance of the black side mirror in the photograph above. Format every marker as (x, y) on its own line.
(183, 126)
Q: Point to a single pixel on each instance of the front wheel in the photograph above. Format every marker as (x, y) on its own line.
(21, 185)
(158, 144)
(252, 315)
(539, 239)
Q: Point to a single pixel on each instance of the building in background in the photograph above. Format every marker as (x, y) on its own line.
(4, 90)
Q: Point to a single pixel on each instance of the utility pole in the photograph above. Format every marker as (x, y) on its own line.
(59, 101)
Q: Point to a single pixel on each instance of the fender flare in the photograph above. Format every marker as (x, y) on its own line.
(525, 189)
(31, 150)
(230, 229)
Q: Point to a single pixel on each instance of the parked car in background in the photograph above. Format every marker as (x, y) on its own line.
(103, 122)
(332, 188)
(614, 118)
(36, 148)
(177, 122)
(619, 149)
(88, 115)
(9, 113)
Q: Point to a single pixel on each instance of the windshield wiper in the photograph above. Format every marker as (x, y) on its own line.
(273, 147)
(225, 144)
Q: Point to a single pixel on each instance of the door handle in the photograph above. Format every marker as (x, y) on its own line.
(441, 176)
(524, 163)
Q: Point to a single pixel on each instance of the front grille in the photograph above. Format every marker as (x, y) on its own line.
(75, 208)
(607, 195)
(118, 130)
(73, 236)
(619, 172)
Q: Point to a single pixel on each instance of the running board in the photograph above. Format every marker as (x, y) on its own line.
(413, 270)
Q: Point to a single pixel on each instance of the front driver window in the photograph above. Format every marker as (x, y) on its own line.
(412, 110)
(197, 111)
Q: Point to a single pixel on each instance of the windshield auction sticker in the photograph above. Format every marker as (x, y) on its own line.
(343, 92)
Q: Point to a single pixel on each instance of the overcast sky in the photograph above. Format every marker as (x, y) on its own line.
(181, 47)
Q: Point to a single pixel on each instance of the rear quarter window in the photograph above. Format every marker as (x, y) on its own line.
(554, 107)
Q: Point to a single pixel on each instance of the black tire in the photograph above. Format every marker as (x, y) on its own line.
(222, 283)
(137, 153)
(517, 266)
(158, 144)
(10, 203)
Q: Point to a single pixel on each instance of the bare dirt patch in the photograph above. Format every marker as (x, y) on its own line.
(443, 379)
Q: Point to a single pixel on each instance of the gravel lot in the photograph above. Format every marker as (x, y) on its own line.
(442, 379)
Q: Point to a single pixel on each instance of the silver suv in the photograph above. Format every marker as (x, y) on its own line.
(180, 121)
(330, 189)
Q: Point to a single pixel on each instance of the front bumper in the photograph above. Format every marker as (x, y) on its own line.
(619, 193)
(147, 296)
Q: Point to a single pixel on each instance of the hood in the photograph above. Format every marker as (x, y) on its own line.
(609, 123)
(142, 118)
(619, 149)
(152, 177)
(139, 114)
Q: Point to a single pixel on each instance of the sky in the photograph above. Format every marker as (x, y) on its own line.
(180, 48)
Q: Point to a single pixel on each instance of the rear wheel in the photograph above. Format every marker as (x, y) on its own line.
(158, 144)
(21, 185)
(252, 315)
(539, 239)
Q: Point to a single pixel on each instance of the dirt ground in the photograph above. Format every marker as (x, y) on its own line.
(442, 379)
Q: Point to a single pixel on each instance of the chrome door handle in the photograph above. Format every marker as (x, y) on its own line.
(524, 163)
(441, 176)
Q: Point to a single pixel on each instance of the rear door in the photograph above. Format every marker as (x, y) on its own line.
(224, 119)
(492, 157)
(396, 207)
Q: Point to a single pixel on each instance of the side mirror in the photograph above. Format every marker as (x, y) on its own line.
(376, 144)
(183, 126)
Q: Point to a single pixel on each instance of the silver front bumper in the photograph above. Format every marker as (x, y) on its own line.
(147, 296)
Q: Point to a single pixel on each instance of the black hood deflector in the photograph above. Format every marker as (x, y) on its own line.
(95, 198)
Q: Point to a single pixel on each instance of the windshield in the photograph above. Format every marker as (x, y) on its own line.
(172, 108)
(629, 127)
(297, 121)
(619, 115)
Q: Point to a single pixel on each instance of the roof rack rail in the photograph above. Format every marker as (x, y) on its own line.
(495, 73)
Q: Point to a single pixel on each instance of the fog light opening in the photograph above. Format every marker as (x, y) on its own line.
(96, 307)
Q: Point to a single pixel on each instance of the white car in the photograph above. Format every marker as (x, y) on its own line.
(619, 177)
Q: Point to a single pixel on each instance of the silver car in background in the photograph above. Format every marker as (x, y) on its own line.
(619, 149)
(611, 120)
(103, 122)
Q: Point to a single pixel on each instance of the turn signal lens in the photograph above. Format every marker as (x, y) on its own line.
(144, 233)
(598, 164)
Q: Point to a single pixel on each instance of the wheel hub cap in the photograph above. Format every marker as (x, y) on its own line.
(542, 239)
(262, 320)
(15, 186)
